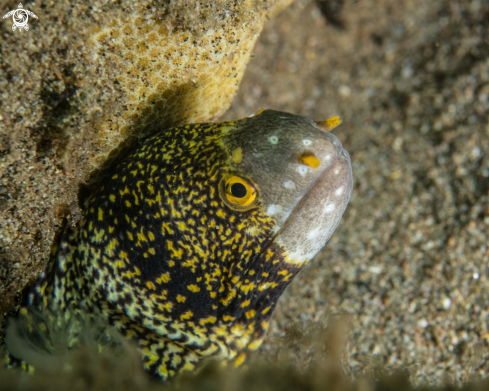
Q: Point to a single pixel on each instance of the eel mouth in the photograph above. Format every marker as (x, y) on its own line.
(316, 216)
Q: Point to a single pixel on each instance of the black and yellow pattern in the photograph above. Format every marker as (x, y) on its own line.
(185, 249)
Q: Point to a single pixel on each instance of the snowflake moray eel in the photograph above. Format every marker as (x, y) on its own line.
(194, 235)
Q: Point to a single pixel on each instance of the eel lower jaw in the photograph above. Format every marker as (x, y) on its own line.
(319, 212)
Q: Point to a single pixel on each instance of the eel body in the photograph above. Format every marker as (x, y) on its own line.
(192, 238)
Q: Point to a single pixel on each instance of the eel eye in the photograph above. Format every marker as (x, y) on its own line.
(238, 193)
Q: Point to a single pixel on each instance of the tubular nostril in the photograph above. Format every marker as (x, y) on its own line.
(329, 124)
(310, 160)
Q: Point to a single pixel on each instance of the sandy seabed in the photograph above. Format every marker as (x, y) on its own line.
(407, 266)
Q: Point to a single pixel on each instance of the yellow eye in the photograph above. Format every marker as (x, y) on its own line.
(238, 193)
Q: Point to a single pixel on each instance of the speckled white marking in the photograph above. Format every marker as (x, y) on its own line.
(328, 157)
(306, 142)
(337, 171)
(313, 234)
(258, 154)
(273, 139)
(329, 208)
(339, 190)
(289, 185)
(274, 209)
(302, 169)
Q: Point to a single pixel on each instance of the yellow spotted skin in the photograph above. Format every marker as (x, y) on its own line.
(163, 257)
